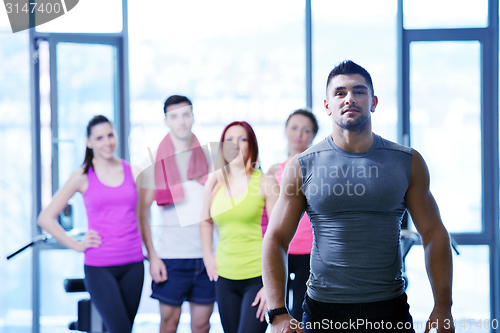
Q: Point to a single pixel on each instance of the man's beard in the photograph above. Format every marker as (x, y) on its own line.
(355, 125)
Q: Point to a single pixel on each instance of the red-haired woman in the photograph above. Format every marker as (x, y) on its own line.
(235, 196)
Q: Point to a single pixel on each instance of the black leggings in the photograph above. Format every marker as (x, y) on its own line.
(234, 299)
(298, 264)
(116, 292)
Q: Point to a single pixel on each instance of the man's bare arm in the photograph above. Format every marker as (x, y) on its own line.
(282, 226)
(207, 229)
(435, 239)
(157, 267)
(146, 198)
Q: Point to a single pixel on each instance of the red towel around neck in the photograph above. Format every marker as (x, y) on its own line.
(171, 191)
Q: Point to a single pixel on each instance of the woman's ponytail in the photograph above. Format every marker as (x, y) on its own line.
(87, 162)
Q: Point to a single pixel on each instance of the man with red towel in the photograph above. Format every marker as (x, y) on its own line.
(176, 263)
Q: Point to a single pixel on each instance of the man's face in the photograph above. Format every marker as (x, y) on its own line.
(179, 118)
(349, 101)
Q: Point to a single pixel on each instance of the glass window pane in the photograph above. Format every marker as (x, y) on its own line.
(445, 126)
(246, 62)
(88, 16)
(338, 39)
(15, 183)
(427, 14)
(85, 74)
(471, 291)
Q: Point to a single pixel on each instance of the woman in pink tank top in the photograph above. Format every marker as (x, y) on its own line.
(300, 128)
(114, 269)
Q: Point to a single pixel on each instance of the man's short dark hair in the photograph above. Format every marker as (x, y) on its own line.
(175, 99)
(349, 67)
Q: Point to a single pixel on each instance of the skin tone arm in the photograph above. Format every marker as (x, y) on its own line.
(436, 242)
(273, 170)
(146, 197)
(157, 267)
(207, 228)
(282, 226)
(77, 182)
(270, 190)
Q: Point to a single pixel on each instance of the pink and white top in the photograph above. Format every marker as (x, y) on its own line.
(111, 211)
(302, 241)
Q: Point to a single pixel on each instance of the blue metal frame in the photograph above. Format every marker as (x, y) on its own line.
(488, 38)
(490, 153)
(308, 40)
(121, 108)
(36, 178)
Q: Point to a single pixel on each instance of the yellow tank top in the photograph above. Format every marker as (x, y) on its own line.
(239, 251)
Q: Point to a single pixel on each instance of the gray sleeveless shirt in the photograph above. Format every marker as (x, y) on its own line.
(355, 202)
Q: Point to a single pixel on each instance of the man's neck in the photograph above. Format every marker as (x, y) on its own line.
(180, 144)
(237, 170)
(353, 141)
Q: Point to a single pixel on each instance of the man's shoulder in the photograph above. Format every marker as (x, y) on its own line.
(316, 148)
(391, 145)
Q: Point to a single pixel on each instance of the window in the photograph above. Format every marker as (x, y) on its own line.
(349, 35)
(15, 181)
(428, 14)
(445, 110)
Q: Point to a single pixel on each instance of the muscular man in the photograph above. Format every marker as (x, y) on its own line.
(176, 262)
(355, 187)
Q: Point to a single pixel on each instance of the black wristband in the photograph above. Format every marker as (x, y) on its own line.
(270, 314)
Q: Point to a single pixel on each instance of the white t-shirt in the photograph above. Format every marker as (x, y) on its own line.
(178, 235)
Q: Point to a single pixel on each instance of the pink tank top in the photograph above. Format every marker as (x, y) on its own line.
(302, 240)
(111, 211)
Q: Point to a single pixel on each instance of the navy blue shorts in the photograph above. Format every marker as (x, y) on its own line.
(187, 280)
(385, 316)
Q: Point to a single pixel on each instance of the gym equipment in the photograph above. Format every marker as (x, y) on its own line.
(89, 319)
(410, 238)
